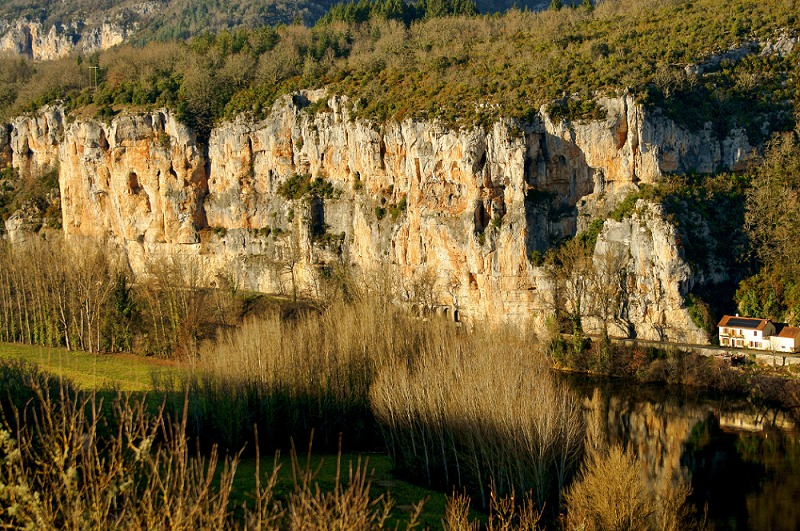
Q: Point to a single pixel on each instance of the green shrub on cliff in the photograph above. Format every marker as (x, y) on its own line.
(299, 186)
(700, 313)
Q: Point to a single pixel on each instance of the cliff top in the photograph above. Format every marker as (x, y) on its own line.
(730, 63)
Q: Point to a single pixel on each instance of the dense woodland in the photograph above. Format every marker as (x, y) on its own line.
(181, 19)
(400, 60)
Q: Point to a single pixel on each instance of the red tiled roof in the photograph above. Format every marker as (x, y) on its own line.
(790, 332)
(751, 323)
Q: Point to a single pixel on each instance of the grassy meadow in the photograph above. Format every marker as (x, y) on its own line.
(135, 375)
(123, 372)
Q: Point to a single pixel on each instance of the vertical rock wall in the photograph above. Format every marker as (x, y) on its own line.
(34, 141)
(454, 214)
(41, 43)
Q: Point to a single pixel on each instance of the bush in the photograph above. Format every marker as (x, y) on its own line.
(450, 408)
(613, 493)
(589, 237)
(700, 313)
(77, 463)
(396, 210)
(299, 186)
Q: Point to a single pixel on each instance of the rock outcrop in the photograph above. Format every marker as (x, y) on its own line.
(34, 141)
(453, 214)
(33, 40)
(658, 278)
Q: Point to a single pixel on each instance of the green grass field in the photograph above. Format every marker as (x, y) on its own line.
(124, 372)
(128, 372)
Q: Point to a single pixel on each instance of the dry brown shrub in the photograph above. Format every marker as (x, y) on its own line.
(505, 514)
(66, 467)
(71, 462)
(481, 407)
(344, 508)
(613, 494)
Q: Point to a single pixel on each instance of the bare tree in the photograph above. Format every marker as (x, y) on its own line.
(609, 283)
(570, 270)
(94, 278)
(422, 290)
(292, 256)
(452, 288)
(174, 302)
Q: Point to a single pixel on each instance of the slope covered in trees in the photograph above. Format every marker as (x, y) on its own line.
(771, 220)
(181, 19)
(464, 69)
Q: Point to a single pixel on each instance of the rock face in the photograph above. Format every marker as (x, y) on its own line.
(41, 43)
(454, 215)
(658, 276)
(145, 177)
(34, 141)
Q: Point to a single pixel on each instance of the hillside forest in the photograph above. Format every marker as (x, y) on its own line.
(451, 406)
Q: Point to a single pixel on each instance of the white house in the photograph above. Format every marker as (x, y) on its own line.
(758, 334)
(786, 340)
(745, 332)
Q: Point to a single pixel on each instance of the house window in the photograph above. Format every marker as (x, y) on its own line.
(755, 334)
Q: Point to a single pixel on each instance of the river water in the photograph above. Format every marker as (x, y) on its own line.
(742, 460)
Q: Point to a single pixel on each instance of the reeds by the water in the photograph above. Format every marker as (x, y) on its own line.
(482, 409)
(455, 407)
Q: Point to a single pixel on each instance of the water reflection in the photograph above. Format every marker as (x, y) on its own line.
(743, 461)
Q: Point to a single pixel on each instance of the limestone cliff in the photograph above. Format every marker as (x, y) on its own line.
(658, 278)
(33, 142)
(454, 214)
(39, 42)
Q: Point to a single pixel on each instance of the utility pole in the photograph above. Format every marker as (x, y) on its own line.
(95, 76)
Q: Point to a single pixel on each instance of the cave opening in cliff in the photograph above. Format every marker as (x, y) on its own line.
(133, 184)
(481, 218)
